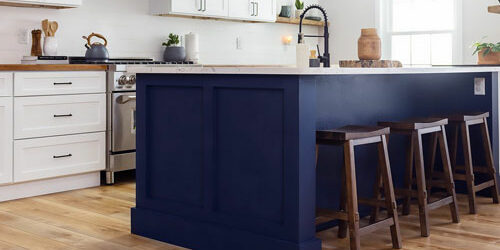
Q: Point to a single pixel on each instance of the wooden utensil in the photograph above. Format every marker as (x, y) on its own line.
(45, 27)
(53, 26)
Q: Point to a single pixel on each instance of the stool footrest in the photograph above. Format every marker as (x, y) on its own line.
(476, 169)
(336, 215)
(484, 185)
(440, 203)
(372, 202)
(377, 225)
(460, 177)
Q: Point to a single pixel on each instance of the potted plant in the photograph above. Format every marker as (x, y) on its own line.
(173, 52)
(488, 53)
(299, 6)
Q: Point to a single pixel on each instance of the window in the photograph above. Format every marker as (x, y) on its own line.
(421, 32)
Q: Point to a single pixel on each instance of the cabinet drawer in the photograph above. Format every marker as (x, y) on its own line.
(59, 83)
(58, 156)
(6, 84)
(59, 115)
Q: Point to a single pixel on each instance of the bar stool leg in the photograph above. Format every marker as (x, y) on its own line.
(408, 182)
(489, 160)
(422, 192)
(443, 147)
(352, 197)
(376, 194)
(342, 233)
(390, 198)
(453, 145)
(317, 154)
(469, 172)
(432, 162)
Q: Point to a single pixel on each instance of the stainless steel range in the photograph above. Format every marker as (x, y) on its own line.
(121, 112)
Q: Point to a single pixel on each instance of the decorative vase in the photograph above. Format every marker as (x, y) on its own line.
(174, 54)
(50, 46)
(298, 13)
(286, 11)
(369, 45)
(492, 58)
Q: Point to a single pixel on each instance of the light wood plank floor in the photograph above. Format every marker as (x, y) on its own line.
(99, 218)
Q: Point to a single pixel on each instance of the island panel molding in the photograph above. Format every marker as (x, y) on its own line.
(225, 160)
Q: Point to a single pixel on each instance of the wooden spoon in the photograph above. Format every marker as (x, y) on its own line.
(53, 28)
(45, 27)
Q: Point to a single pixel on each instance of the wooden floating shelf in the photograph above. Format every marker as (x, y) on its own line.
(285, 20)
(297, 21)
(494, 9)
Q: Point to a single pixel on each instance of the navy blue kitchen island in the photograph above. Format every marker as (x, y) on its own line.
(226, 158)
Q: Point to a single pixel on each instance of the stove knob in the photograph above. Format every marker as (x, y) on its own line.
(131, 80)
(123, 80)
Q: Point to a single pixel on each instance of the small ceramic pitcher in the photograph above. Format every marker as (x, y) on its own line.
(50, 46)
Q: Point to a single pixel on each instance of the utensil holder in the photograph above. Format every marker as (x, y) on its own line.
(50, 46)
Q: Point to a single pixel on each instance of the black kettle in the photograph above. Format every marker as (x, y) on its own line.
(96, 52)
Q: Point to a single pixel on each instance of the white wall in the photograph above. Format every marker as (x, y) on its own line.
(349, 17)
(478, 23)
(131, 31)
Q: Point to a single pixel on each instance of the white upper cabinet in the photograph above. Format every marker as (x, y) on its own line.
(265, 10)
(6, 140)
(48, 3)
(213, 8)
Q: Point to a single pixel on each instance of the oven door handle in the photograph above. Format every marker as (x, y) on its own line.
(125, 98)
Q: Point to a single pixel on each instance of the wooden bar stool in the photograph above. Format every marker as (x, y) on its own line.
(349, 137)
(415, 129)
(462, 122)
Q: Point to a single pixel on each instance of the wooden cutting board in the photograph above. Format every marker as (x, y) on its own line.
(370, 64)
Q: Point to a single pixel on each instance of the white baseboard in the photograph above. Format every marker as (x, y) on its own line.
(49, 186)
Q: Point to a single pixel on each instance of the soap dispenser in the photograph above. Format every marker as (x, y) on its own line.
(302, 55)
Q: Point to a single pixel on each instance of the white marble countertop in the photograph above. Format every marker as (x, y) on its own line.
(291, 70)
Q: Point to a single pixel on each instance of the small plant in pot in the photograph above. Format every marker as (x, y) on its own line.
(488, 53)
(173, 51)
(299, 6)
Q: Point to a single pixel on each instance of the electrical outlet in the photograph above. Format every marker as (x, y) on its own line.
(239, 43)
(23, 36)
(479, 86)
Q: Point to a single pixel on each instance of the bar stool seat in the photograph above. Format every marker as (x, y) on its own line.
(415, 123)
(468, 116)
(348, 215)
(415, 129)
(351, 132)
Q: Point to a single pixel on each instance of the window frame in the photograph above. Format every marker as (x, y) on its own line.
(383, 21)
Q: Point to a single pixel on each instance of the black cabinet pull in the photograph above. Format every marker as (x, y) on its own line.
(68, 115)
(63, 83)
(62, 156)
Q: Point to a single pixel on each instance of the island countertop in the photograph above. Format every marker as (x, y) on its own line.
(291, 70)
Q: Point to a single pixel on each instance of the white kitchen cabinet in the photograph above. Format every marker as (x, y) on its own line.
(59, 83)
(253, 10)
(6, 84)
(212, 8)
(58, 156)
(6, 140)
(59, 115)
(41, 3)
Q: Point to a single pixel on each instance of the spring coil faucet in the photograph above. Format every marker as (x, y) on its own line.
(325, 58)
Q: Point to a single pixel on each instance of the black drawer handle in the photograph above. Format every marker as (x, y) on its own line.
(62, 156)
(63, 83)
(68, 115)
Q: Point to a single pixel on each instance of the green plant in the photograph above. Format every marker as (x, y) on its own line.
(487, 47)
(299, 5)
(173, 40)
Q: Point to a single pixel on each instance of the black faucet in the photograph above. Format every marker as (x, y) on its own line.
(325, 59)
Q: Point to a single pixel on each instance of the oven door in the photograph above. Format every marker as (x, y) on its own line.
(123, 122)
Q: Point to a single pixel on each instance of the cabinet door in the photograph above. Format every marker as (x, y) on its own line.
(241, 9)
(6, 142)
(216, 8)
(194, 7)
(266, 10)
